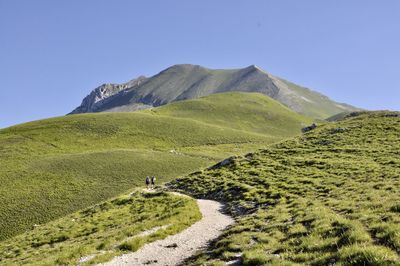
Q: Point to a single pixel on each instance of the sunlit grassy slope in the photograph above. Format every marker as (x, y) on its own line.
(330, 196)
(238, 111)
(56, 166)
(102, 231)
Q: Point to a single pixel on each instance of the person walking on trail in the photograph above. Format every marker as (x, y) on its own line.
(147, 182)
(153, 181)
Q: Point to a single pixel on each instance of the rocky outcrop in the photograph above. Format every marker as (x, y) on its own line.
(104, 93)
(223, 163)
(309, 128)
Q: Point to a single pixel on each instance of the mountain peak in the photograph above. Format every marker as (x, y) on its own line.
(189, 81)
(256, 68)
(184, 67)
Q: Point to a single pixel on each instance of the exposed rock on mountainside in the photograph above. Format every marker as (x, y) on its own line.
(104, 93)
(181, 82)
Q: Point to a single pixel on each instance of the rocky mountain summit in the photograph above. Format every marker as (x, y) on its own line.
(181, 82)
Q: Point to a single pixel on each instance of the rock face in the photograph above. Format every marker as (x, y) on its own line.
(181, 82)
(104, 93)
(309, 128)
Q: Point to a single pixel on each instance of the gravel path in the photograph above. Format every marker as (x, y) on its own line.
(173, 250)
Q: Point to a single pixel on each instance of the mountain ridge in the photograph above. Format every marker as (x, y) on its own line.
(186, 81)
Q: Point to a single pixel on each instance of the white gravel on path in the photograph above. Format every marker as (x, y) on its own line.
(174, 249)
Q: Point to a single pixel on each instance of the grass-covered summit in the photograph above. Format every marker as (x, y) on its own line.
(330, 196)
(53, 167)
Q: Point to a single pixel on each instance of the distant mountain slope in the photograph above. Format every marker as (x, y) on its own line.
(181, 82)
(56, 166)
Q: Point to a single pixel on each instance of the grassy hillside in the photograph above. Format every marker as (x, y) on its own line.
(56, 166)
(239, 111)
(102, 231)
(328, 197)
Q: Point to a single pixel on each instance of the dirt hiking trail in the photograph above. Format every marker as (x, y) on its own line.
(174, 249)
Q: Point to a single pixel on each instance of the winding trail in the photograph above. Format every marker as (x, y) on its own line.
(174, 249)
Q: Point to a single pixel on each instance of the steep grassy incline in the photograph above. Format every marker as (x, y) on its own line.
(330, 196)
(53, 167)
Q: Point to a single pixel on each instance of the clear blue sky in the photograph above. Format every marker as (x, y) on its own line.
(52, 53)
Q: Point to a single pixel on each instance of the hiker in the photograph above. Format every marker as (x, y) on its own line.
(153, 181)
(147, 182)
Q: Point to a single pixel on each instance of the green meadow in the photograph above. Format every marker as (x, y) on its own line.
(54, 167)
(330, 196)
(100, 232)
